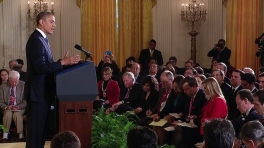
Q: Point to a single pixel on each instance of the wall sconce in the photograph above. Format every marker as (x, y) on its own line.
(38, 6)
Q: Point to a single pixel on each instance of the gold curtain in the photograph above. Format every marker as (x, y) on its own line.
(135, 27)
(99, 27)
(242, 29)
(125, 35)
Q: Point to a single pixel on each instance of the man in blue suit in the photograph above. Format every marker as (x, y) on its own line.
(40, 84)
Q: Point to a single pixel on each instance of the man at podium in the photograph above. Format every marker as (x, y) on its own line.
(40, 84)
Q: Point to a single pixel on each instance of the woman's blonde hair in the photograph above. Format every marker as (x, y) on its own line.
(213, 87)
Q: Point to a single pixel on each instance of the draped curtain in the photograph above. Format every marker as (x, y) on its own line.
(243, 27)
(122, 26)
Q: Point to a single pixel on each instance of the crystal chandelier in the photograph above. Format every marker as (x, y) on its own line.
(38, 6)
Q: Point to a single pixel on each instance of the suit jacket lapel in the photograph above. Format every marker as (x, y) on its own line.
(18, 91)
(7, 90)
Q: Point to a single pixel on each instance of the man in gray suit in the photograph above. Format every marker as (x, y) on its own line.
(13, 104)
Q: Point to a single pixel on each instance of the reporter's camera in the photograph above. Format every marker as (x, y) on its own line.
(260, 50)
(219, 45)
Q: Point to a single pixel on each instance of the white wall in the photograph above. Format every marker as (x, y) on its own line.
(171, 33)
(15, 29)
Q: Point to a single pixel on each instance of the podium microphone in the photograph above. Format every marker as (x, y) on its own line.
(81, 49)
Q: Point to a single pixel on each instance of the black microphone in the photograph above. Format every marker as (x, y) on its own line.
(81, 49)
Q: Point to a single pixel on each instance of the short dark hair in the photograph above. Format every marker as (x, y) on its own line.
(178, 79)
(1, 72)
(173, 58)
(131, 58)
(152, 41)
(193, 70)
(245, 93)
(219, 133)
(42, 15)
(252, 130)
(240, 72)
(142, 137)
(249, 78)
(199, 70)
(222, 40)
(190, 80)
(20, 61)
(67, 139)
(261, 69)
(261, 75)
(150, 80)
(260, 95)
(220, 71)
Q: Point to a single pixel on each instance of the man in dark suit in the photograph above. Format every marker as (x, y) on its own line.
(129, 95)
(248, 81)
(244, 101)
(235, 83)
(40, 84)
(135, 69)
(146, 54)
(192, 109)
(220, 52)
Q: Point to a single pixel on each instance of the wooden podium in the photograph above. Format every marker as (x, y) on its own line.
(76, 91)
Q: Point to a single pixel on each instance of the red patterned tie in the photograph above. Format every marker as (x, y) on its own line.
(12, 97)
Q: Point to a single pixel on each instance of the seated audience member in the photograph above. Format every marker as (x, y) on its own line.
(174, 105)
(12, 63)
(135, 69)
(199, 70)
(219, 76)
(190, 72)
(129, 95)
(173, 61)
(66, 139)
(3, 76)
(193, 105)
(235, 83)
(108, 89)
(13, 104)
(218, 133)
(244, 101)
(169, 67)
(142, 137)
(214, 63)
(200, 79)
(109, 59)
(258, 100)
(129, 61)
(261, 80)
(220, 52)
(19, 67)
(166, 98)
(248, 81)
(114, 77)
(215, 106)
(194, 64)
(150, 96)
(127, 68)
(223, 67)
(154, 71)
(252, 135)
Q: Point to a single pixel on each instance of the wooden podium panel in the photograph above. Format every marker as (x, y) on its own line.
(77, 117)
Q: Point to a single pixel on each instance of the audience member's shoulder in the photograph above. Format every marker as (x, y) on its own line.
(21, 82)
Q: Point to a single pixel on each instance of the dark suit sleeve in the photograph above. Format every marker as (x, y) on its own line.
(141, 59)
(227, 54)
(212, 53)
(159, 58)
(257, 41)
(37, 56)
